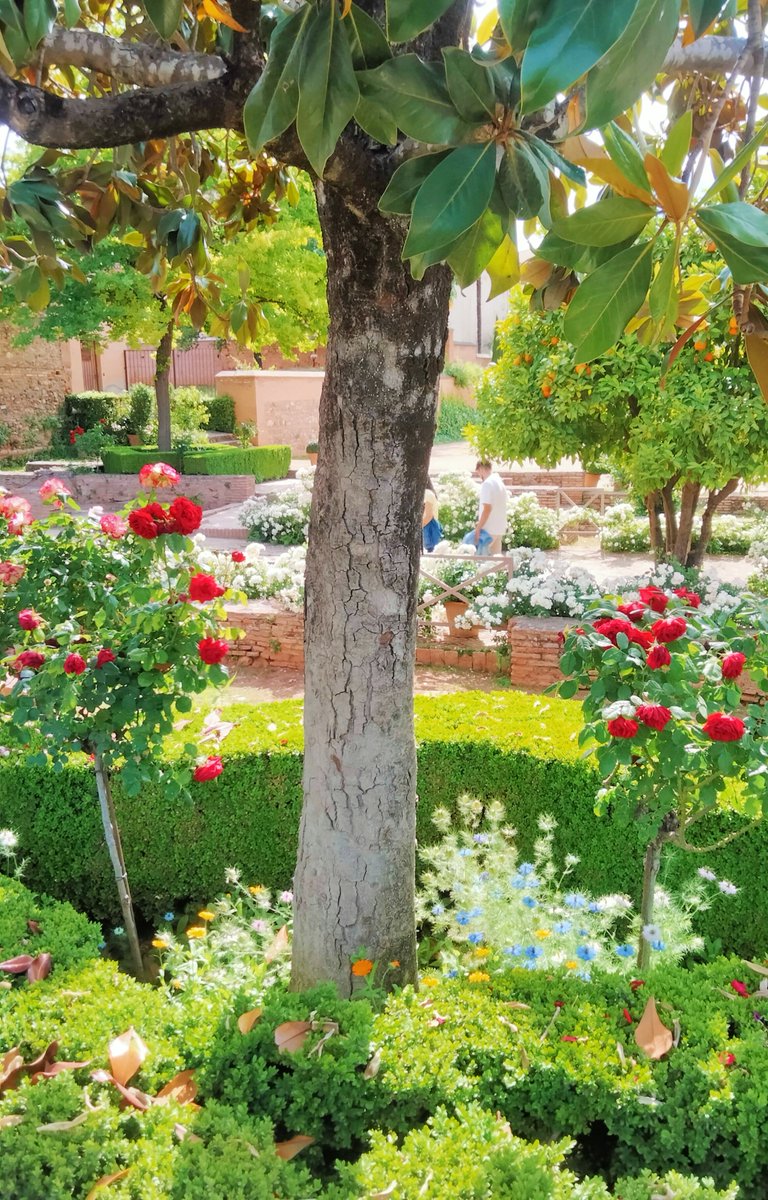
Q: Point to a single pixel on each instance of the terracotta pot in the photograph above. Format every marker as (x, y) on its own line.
(454, 609)
(312, 456)
(591, 479)
(134, 439)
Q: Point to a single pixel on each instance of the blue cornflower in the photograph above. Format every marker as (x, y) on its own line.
(118, 931)
(585, 975)
(529, 902)
(466, 853)
(658, 944)
(168, 916)
(481, 838)
(625, 951)
(593, 906)
(462, 918)
(475, 912)
(437, 909)
(526, 868)
(562, 927)
(452, 973)
(513, 951)
(533, 952)
(476, 938)
(529, 965)
(483, 876)
(519, 883)
(574, 900)
(586, 953)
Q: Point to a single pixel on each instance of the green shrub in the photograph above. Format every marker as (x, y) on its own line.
(464, 374)
(142, 401)
(128, 460)
(68, 936)
(221, 413)
(263, 462)
(453, 416)
(88, 409)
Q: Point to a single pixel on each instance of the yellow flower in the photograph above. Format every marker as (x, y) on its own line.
(478, 977)
(196, 931)
(571, 964)
(176, 983)
(429, 981)
(540, 933)
(160, 943)
(206, 915)
(256, 889)
(482, 952)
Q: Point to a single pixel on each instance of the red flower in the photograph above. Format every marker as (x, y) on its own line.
(641, 637)
(568, 1037)
(627, 1015)
(142, 524)
(633, 609)
(158, 475)
(74, 664)
(53, 491)
(654, 598)
(238, 556)
(164, 522)
(203, 588)
(726, 1058)
(722, 728)
(733, 665)
(655, 716)
(31, 659)
(669, 630)
(186, 515)
(691, 598)
(740, 988)
(210, 769)
(104, 656)
(658, 656)
(636, 983)
(622, 727)
(17, 511)
(610, 627)
(115, 526)
(29, 619)
(212, 650)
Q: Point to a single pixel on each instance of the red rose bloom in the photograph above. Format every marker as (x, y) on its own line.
(654, 598)
(622, 727)
(691, 598)
(74, 664)
(655, 716)
(29, 619)
(186, 515)
(609, 627)
(641, 637)
(164, 522)
(212, 650)
(238, 556)
(658, 656)
(203, 588)
(210, 769)
(31, 659)
(670, 629)
(633, 609)
(733, 665)
(722, 728)
(104, 656)
(142, 524)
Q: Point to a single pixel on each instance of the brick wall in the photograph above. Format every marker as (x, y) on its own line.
(33, 383)
(283, 405)
(272, 635)
(113, 491)
(534, 651)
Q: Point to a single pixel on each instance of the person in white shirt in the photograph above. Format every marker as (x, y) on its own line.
(492, 512)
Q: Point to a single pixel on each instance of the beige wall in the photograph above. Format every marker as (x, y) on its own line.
(33, 382)
(283, 405)
(112, 367)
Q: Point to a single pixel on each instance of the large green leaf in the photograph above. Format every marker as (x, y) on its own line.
(470, 86)
(367, 40)
(662, 298)
(376, 121)
(677, 144)
(741, 233)
(572, 37)
(452, 198)
(416, 95)
(605, 223)
(328, 91)
(626, 155)
(39, 16)
(607, 300)
(736, 165)
(703, 13)
(407, 18)
(475, 248)
(518, 20)
(273, 102)
(632, 63)
(520, 181)
(164, 15)
(560, 251)
(552, 158)
(406, 181)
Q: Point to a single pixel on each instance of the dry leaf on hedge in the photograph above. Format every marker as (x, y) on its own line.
(372, 1069)
(40, 968)
(6, 1122)
(755, 967)
(388, 1191)
(247, 1020)
(183, 1134)
(64, 1126)
(18, 965)
(291, 1035)
(126, 1054)
(137, 1099)
(651, 1034)
(182, 1088)
(295, 1145)
(278, 946)
(105, 1182)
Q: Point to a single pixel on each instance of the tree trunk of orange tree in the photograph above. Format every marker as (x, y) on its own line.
(714, 500)
(688, 500)
(163, 387)
(652, 503)
(354, 881)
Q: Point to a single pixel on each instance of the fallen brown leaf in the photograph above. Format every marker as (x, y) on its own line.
(64, 1126)
(40, 967)
(105, 1182)
(278, 947)
(126, 1054)
(182, 1088)
(651, 1035)
(295, 1145)
(247, 1020)
(372, 1068)
(291, 1036)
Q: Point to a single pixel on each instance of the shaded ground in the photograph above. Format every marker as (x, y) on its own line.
(258, 685)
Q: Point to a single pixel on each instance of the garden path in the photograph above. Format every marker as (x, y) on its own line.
(258, 685)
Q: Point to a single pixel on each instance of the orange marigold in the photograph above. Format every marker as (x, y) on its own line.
(362, 967)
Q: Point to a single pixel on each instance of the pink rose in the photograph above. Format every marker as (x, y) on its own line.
(29, 619)
(113, 525)
(158, 475)
(53, 492)
(210, 769)
(11, 573)
(17, 512)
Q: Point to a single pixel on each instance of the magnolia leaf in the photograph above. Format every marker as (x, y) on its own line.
(372, 1066)
(520, 181)
(215, 11)
(182, 1089)
(504, 268)
(566, 43)
(278, 947)
(105, 1182)
(596, 161)
(388, 1191)
(406, 181)
(10, 1120)
(164, 15)
(740, 232)
(735, 167)
(651, 1035)
(18, 965)
(677, 144)
(40, 968)
(376, 121)
(518, 20)
(71, 13)
(291, 1036)
(183, 1134)
(485, 29)
(662, 298)
(295, 1145)
(606, 301)
(126, 1054)
(604, 224)
(137, 1099)
(760, 970)
(632, 63)
(470, 85)
(757, 353)
(452, 198)
(64, 1126)
(367, 40)
(703, 13)
(407, 18)
(626, 154)
(247, 1020)
(272, 104)
(474, 250)
(328, 90)
(672, 194)
(416, 95)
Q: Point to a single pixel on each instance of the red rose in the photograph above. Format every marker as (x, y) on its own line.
(654, 598)
(740, 988)
(655, 716)
(104, 656)
(186, 515)
(11, 573)
(722, 728)
(641, 637)
(29, 619)
(142, 524)
(210, 769)
(727, 1058)
(31, 659)
(691, 598)
(609, 627)
(164, 522)
(622, 727)
(733, 665)
(74, 664)
(212, 650)
(658, 656)
(670, 629)
(238, 556)
(633, 609)
(203, 588)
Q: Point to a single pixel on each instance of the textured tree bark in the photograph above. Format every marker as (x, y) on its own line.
(689, 498)
(652, 502)
(670, 516)
(714, 500)
(354, 881)
(163, 387)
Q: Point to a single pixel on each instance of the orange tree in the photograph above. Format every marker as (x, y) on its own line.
(424, 156)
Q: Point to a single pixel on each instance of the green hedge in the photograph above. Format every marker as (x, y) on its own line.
(87, 409)
(262, 462)
(518, 748)
(127, 460)
(221, 413)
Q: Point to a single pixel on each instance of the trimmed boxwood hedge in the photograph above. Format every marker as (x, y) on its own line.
(127, 460)
(262, 462)
(518, 748)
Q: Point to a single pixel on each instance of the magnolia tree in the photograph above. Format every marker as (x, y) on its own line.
(673, 738)
(108, 628)
(422, 153)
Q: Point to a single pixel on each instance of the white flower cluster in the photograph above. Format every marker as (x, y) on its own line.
(716, 597)
(259, 577)
(283, 518)
(543, 588)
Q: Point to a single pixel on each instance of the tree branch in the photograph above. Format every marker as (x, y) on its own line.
(129, 62)
(711, 55)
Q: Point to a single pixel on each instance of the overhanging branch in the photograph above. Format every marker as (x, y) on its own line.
(711, 55)
(129, 62)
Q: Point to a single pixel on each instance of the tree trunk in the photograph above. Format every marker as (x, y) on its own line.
(650, 875)
(714, 500)
(670, 517)
(652, 503)
(163, 386)
(354, 881)
(115, 848)
(688, 501)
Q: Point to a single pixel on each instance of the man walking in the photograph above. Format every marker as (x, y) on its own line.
(492, 512)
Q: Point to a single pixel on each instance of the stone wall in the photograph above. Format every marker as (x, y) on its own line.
(33, 382)
(283, 405)
(113, 491)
